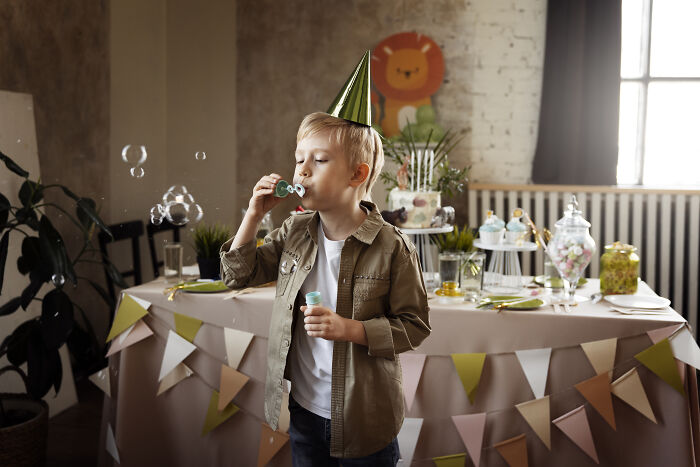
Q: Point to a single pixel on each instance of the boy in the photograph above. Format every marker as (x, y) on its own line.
(346, 403)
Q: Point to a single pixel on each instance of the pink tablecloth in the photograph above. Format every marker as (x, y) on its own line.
(166, 430)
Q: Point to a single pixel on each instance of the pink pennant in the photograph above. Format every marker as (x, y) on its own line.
(412, 366)
(138, 333)
(471, 429)
(660, 334)
(575, 425)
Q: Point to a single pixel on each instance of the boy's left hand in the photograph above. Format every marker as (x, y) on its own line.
(320, 321)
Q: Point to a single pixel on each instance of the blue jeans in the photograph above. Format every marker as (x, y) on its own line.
(310, 438)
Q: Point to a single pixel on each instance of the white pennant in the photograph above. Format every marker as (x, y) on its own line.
(685, 348)
(101, 380)
(176, 350)
(535, 364)
(112, 444)
(412, 369)
(408, 437)
(144, 303)
(237, 343)
(180, 372)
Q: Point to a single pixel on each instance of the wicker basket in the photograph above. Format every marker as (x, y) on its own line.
(24, 444)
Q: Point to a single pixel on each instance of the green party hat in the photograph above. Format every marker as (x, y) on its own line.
(352, 102)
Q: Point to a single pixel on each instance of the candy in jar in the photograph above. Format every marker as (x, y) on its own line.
(619, 269)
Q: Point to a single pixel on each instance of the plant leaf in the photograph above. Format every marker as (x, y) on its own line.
(4, 210)
(18, 341)
(31, 256)
(13, 166)
(29, 292)
(56, 318)
(4, 242)
(30, 193)
(11, 306)
(53, 249)
(83, 217)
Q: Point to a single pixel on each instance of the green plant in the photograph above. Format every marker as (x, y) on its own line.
(209, 238)
(457, 240)
(45, 260)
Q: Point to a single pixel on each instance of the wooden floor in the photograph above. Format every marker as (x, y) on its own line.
(74, 433)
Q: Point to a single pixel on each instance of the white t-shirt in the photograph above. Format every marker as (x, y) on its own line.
(311, 359)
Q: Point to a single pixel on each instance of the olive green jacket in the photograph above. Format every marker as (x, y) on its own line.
(380, 284)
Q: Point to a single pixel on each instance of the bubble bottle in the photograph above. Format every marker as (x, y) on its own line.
(283, 188)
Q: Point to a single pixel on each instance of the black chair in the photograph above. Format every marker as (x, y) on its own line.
(132, 230)
(151, 230)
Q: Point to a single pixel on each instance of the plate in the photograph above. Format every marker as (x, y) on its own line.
(528, 305)
(556, 282)
(648, 302)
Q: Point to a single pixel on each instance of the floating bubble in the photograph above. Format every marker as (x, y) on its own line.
(137, 172)
(58, 280)
(195, 212)
(158, 210)
(19, 140)
(176, 213)
(176, 194)
(134, 155)
(156, 220)
(200, 155)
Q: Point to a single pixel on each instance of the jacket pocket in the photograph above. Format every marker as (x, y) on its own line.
(370, 296)
(286, 269)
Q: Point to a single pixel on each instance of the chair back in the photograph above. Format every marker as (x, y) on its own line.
(151, 231)
(131, 230)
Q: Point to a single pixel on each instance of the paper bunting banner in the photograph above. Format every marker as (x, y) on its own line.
(231, 382)
(101, 380)
(535, 364)
(663, 333)
(685, 348)
(628, 387)
(453, 460)
(187, 326)
(180, 372)
(283, 424)
(514, 451)
(271, 441)
(215, 418)
(536, 414)
(412, 366)
(471, 429)
(574, 424)
(137, 332)
(596, 390)
(659, 359)
(408, 438)
(469, 367)
(128, 313)
(111, 444)
(237, 343)
(601, 354)
(176, 350)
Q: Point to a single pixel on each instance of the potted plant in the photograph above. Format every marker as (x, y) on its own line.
(207, 242)
(45, 260)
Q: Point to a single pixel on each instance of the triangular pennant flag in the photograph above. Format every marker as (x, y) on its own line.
(628, 387)
(176, 350)
(187, 326)
(101, 380)
(453, 460)
(514, 451)
(134, 334)
(469, 367)
(353, 101)
(236, 344)
(283, 424)
(535, 364)
(111, 444)
(408, 438)
(231, 382)
(144, 303)
(662, 333)
(596, 390)
(574, 424)
(685, 348)
(180, 372)
(471, 429)
(536, 414)
(271, 441)
(412, 367)
(215, 418)
(659, 359)
(128, 313)
(601, 354)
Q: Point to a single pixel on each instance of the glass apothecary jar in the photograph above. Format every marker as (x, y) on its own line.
(619, 269)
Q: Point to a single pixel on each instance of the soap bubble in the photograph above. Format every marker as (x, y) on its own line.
(137, 172)
(195, 212)
(134, 155)
(176, 213)
(157, 214)
(200, 155)
(179, 207)
(58, 280)
(175, 194)
(156, 220)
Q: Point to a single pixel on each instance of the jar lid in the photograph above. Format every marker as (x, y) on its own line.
(572, 216)
(620, 247)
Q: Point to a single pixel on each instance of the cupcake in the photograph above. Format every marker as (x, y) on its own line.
(516, 231)
(491, 231)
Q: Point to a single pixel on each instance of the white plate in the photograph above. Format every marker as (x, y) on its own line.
(648, 302)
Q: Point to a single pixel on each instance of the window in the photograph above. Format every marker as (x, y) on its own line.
(659, 140)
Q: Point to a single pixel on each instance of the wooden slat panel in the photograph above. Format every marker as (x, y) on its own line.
(587, 188)
(582, 199)
(485, 206)
(527, 257)
(678, 252)
(665, 251)
(554, 213)
(693, 253)
(499, 208)
(609, 209)
(540, 223)
(596, 216)
(623, 218)
(512, 204)
(473, 214)
(650, 244)
(637, 214)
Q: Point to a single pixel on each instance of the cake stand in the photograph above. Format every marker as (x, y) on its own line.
(421, 238)
(503, 274)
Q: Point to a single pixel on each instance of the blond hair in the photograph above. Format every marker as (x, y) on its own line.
(360, 143)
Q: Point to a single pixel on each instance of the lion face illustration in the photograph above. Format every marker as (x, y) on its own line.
(407, 69)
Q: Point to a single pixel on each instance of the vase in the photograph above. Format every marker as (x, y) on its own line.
(209, 268)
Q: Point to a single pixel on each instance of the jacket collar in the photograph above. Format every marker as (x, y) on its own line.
(367, 231)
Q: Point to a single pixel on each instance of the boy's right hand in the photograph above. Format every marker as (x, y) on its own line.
(264, 199)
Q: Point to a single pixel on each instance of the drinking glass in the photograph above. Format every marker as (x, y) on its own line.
(450, 262)
(472, 272)
(172, 259)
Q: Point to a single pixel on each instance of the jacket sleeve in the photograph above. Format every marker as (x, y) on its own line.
(407, 323)
(248, 265)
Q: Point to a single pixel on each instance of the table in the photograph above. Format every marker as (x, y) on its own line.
(166, 430)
